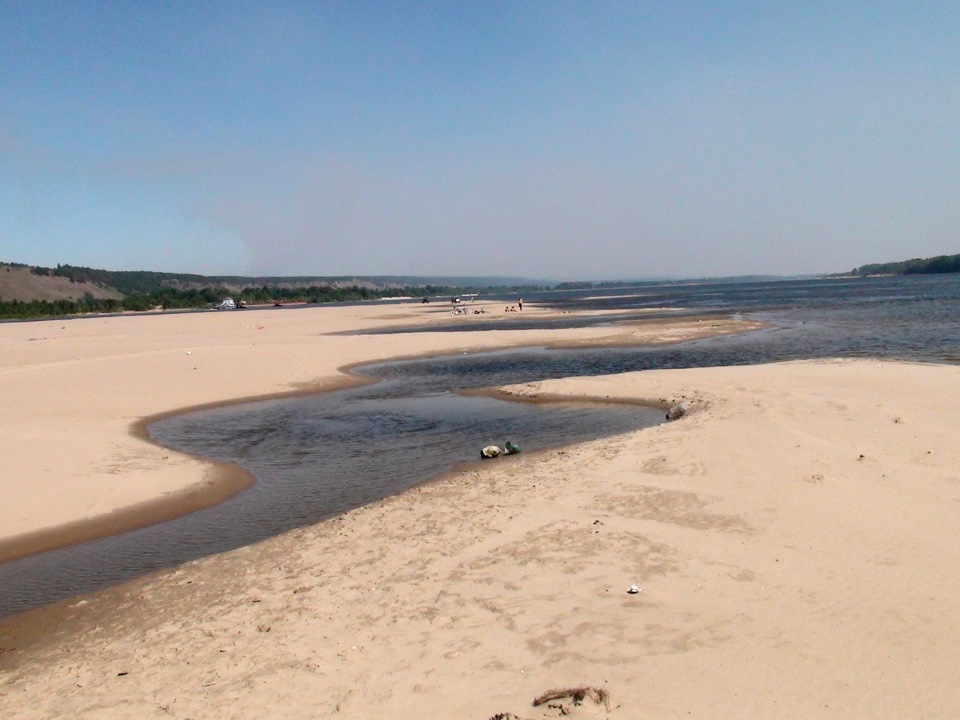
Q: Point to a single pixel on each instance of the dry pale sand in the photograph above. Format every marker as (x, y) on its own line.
(791, 537)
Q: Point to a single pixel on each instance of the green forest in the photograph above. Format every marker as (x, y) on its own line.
(917, 266)
(171, 299)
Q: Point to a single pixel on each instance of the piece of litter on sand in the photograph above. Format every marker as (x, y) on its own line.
(633, 589)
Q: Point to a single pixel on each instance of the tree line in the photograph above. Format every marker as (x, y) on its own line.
(917, 266)
(199, 298)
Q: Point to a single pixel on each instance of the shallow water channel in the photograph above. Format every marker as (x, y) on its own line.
(318, 456)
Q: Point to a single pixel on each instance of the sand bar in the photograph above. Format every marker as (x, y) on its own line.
(791, 537)
(75, 463)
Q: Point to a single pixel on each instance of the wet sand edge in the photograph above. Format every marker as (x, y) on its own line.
(221, 481)
(33, 628)
(27, 632)
(224, 480)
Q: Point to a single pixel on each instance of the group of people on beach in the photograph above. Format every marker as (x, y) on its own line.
(513, 308)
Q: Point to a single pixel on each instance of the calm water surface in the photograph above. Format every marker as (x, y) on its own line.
(319, 456)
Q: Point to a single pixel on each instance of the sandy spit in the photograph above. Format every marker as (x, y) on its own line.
(791, 538)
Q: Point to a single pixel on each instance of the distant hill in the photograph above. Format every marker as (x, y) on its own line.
(21, 283)
(68, 282)
(918, 266)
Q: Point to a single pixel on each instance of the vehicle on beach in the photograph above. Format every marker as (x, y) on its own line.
(228, 303)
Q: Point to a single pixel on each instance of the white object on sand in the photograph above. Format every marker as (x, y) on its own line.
(491, 451)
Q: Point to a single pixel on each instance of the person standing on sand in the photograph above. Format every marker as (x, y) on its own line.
(520, 304)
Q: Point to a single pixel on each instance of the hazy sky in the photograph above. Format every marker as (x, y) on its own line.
(544, 139)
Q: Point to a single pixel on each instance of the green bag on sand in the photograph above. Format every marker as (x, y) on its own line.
(511, 448)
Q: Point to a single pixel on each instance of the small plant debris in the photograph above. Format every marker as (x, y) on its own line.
(576, 695)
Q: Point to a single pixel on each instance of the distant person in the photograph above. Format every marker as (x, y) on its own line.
(520, 303)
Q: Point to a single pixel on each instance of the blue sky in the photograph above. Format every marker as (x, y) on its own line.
(592, 140)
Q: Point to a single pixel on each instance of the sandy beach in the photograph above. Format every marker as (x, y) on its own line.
(76, 392)
(790, 538)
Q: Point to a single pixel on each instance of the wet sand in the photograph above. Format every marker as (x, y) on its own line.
(791, 539)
